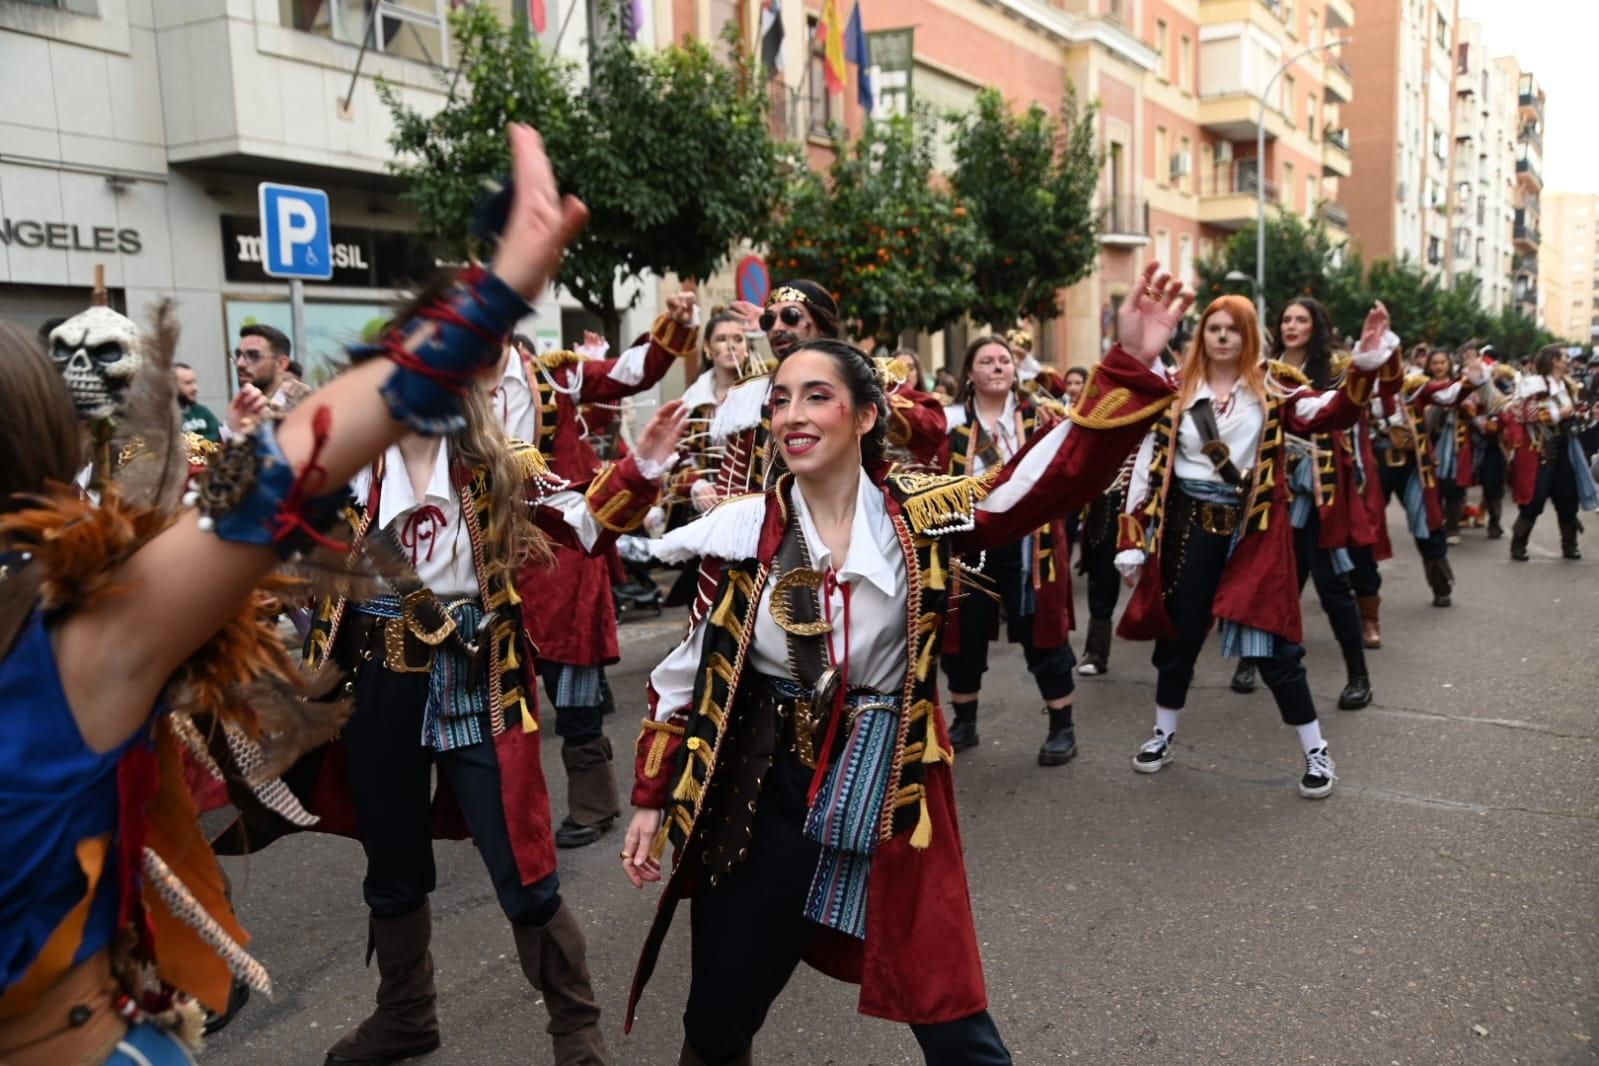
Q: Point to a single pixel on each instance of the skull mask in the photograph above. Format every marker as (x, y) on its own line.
(97, 353)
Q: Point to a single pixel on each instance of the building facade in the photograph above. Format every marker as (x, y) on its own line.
(1482, 207)
(1568, 274)
(1527, 228)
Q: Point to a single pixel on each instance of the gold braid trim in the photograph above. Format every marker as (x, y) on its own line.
(679, 340)
(935, 501)
(664, 732)
(529, 460)
(1289, 375)
(1102, 416)
(620, 504)
(553, 361)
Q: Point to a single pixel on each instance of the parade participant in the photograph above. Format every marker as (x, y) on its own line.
(1549, 465)
(98, 831)
(1031, 375)
(1030, 578)
(724, 363)
(1327, 505)
(1097, 562)
(1488, 447)
(575, 644)
(1450, 434)
(1075, 378)
(1207, 534)
(795, 753)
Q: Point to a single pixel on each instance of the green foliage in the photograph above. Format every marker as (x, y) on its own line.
(1029, 183)
(670, 149)
(895, 250)
(1301, 260)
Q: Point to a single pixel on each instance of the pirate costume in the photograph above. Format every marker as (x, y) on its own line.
(1549, 464)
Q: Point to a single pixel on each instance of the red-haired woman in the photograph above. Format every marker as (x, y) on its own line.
(1207, 534)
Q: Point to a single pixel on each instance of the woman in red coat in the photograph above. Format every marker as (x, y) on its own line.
(1207, 535)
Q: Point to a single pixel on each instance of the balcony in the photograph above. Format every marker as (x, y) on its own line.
(1338, 82)
(1335, 160)
(1529, 167)
(1340, 14)
(1233, 117)
(1229, 202)
(1530, 99)
(1125, 223)
(1525, 235)
(1336, 216)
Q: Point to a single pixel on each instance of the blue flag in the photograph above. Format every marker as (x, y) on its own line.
(856, 51)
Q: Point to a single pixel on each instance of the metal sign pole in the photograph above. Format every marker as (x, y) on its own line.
(297, 317)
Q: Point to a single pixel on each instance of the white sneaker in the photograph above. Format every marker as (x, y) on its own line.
(1319, 776)
(1155, 753)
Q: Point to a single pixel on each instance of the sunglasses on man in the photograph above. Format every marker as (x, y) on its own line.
(791, 316)
(249, 355)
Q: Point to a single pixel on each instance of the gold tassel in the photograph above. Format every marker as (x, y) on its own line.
(934, 578)
(529, 723)
(688, 789)
(932, 751)
(922, 836)
(658, 845)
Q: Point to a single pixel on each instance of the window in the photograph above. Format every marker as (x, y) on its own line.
(1162, 158)
(1163, 246)
(1185, 259)
(1160, 49)
(1286, 104)
(1288, 182)
(823, 110)
(1185, 64)
(1312, 194)
(1184, 180)
(1310, 116)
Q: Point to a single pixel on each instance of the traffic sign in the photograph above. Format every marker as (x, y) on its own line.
(297, 236)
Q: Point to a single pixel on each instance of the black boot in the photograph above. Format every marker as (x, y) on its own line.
(1244, 677)
(1519, 533)
(1441, 579)
(1096, 649)
(590, 793)
(405, 1023)
(1346, 627)
(1060, 747)
(1495, 507)
(1453, 509)
(554, 960)
(1568, 540)
(963, 730)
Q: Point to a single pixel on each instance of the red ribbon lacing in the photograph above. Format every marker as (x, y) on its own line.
(456, 381)
(421, 528)
(290, 515)
(830, 585)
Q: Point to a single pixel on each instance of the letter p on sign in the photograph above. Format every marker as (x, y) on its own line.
(296, 233)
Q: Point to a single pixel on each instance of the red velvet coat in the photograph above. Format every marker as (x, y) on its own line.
(919, 961)
(1260, 584)
(582, 629)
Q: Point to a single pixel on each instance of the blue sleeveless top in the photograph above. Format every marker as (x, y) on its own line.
(54, 793)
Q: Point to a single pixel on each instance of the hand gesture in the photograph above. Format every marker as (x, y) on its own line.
(681, 307)
(245, 409)
(658, 442)
(703, 495)
(594, 345)
(1375, 329)
(540, 224)
(1471, 366)
(636, 861)
(750, 313)
(1149, 315)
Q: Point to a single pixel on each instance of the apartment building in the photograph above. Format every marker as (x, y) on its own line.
(1482, 208)
(1568, 274)
(1526, 231)
(135, 133)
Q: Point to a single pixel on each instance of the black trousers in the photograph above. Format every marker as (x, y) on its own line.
(1557, 484)
(1104, 580)
(1365, 579)
(391, 781)
(574, 725)
(1491, 471)
(1335, 592)
(1432, 546)
(1190, 596)
(750, 932)
(1051, 667)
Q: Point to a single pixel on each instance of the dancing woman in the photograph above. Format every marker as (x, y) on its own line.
(1207, 534)
(1030, 577)
(795, 753)
(99, 833)
(1549, 466)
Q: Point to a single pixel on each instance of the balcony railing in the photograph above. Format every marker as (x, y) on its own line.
(1339, 139)
(1335, 215)
(1125, 216)
(1240, 181)
(1524, 232)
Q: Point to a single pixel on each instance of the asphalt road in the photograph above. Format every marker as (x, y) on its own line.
(1440, 907)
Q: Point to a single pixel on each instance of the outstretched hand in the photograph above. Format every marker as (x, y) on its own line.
(658, 442)
(1149, 315)
(541, 222)
(1376, 327)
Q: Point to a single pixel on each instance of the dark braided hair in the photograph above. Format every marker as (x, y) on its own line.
(1318, 349)
(859, 374)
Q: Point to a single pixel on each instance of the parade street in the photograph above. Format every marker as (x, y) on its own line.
(1439, 907)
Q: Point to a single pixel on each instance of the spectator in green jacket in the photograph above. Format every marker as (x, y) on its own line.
(197, 417)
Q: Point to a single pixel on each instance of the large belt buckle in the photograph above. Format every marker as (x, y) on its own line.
(1218, 519)
(804, 734)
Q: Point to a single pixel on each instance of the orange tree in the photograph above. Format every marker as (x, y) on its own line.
(892, 243)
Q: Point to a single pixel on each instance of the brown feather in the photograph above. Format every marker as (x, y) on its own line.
(155, 465)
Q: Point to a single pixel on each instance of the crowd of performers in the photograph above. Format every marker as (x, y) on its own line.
(439, 527)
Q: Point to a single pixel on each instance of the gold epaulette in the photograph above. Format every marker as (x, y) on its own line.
(1342, 360)
(1286, 375)
(553, 361)
(890, 372)
(936, 504)
(1505, 372)
(529, 459)
(1414, 382)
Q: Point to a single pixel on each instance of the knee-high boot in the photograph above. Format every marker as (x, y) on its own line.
(1441, 578)
(688, 1057)
(1520, 532)
(405, 1023)
(1370, 620)
(591, 800)
(1568, 540)
(1495, 506)
(1453, 509)
(554, 960)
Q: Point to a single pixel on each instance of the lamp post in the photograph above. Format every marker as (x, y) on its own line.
(1260, 170)
(1239, 275)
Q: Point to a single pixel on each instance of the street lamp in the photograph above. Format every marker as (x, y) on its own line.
(1260, 171)
(1239, 275)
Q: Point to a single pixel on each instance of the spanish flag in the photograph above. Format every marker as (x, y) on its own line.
(830, 31)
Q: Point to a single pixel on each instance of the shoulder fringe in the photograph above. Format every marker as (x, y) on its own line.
(1288, 378)
(936, 504)
(741, 409)
(731, 530)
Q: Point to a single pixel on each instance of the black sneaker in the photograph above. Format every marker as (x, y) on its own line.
(1155, 753)
(1356, 694)
(1319, 776)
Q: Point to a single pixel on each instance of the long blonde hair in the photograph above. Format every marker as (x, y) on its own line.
(510, 537)
(1251, 367)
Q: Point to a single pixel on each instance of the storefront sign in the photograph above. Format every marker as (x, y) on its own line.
(363, 258)
(70, 237)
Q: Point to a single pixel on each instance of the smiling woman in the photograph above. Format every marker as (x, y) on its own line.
(794, 752)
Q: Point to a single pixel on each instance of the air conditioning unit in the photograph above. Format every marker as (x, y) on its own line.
(1224, 152)
(1182, 164)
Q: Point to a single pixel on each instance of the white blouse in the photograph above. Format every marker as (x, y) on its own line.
(1002, 432)
(1552, 396)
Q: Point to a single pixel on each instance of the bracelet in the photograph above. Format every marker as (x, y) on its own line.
(248, 493)
(442, 348)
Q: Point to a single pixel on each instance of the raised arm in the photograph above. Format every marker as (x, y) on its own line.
(118, 654)
(671, 338)
(916, 423)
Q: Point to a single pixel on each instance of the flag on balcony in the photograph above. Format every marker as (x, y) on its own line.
(857, 51)
(772, 35)
(830, 31)
(523, 13)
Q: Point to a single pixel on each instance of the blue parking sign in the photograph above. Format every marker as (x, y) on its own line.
(296, 235)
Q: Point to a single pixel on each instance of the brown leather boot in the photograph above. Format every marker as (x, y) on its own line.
(554, 959)
(1495, 508)
(405, 1023)
(591, 800)
(687, 1057)
(1568, 540)
(1441, 579)
(1370, 621)
(1520, 531)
